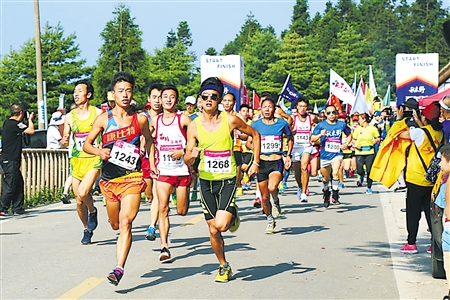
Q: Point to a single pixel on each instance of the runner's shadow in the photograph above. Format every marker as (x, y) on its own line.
(302, 230)
(263, 272)
(163, 275)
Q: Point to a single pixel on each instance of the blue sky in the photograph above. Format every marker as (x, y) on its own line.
(87, 19)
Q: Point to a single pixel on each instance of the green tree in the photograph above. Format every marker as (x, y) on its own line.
(300, 18)
(61, 66)
(250, 27)
(211, 51)
(171, 39)
(175, 66)
(184, 34)
(121, 51)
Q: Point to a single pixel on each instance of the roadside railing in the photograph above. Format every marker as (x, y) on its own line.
(43, 168)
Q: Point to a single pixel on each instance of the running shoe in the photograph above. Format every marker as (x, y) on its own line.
(358, 183)
(341, 185)
(257, 203)
(174, 198)
(65, 199)
(224, 274)
(239, 192)
(281, 187)
(369, 191)
(351, 173)
(151, 233)
(20, 212)
(271, 227)
(429, 250)
(299, 192)
(411, 249)
(276, 211)
(92, 220)
(307, 192)
(303, 198)
(193, 195)
(6, 214)
(336, 197)
(115, 276)
(104, 201)
(237, 222)
(326, 198)
(87, 236)
(285, 185)
(164, 256)
(319, 178)
(400, 189)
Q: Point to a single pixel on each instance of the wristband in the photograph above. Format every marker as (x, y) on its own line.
(254, 162)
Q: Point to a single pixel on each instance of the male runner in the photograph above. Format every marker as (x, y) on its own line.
(121, 181)
(329, 132)
(151, 109)
(303, 148)
(85, 166)
(211, 132)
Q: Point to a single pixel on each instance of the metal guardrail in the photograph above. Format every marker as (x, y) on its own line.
(43, 168)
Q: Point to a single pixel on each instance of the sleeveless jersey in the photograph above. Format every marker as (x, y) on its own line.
(80, 130)
(217, 161)
(124, 143)
(170, 137)
(302, 131)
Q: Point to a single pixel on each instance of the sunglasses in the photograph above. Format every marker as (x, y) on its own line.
(331, 112)
(212, 96)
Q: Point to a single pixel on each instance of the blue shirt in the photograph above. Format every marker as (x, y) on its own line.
(331, 142)
(272, 135)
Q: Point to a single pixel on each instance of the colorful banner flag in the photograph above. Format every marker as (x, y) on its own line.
(372, 87)
(288, 92)
(315, 111)
(340, 88)
(360, 104)
(354, 84)
(256, 101)
(246, 99)
(387, 97)
(333, 100)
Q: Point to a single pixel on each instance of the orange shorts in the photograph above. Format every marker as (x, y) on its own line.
(116, 191)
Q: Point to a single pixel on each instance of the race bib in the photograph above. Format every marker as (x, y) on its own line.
(165, 158)
(270, 143)
(333, 145)
(80, 138)
(302, 137)
(217, 161)
(124, 155)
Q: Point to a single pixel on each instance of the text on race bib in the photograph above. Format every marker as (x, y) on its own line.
(166, 158)
(217, 161)
(270, 143)
(302, 137)
(124, 155)
(333, 145)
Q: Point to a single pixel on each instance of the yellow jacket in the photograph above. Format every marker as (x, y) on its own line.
(391, 157)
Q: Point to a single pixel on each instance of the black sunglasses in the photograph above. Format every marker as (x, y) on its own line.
(331, 112)
(212, 96)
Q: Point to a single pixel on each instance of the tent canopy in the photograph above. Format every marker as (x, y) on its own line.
(433, 98)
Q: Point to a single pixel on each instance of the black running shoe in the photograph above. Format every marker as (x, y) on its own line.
(165, 255)
(65, 199)
(336, 197)
(115, 276)
(326, 198)
(92, 220)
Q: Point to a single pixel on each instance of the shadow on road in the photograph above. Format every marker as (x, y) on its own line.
(262, 272)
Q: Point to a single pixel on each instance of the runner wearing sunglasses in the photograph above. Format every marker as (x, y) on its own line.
(329, 133)
(209, 137)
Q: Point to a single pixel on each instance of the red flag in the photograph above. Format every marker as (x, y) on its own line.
(256, 101)
(333, 100)
(246, 98)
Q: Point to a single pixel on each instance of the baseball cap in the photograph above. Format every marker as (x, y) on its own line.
(411, 103)
(377, 113)
(57, 118)
(190, 100)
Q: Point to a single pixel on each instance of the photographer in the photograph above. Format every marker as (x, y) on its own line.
(12, 182)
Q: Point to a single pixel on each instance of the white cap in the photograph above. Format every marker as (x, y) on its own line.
(57, 118)
(190, 100)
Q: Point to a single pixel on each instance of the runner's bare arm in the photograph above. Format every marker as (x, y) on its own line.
(97, 128)
(288, 162)
(192, 152)
(67, 130)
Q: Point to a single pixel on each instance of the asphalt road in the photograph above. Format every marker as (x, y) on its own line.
(349, 251)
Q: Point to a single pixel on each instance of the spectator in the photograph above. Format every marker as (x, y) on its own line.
(418, 193)
(53, 132)
(12, 182)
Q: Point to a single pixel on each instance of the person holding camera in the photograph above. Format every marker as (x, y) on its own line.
(12, 182)
(421, 152)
